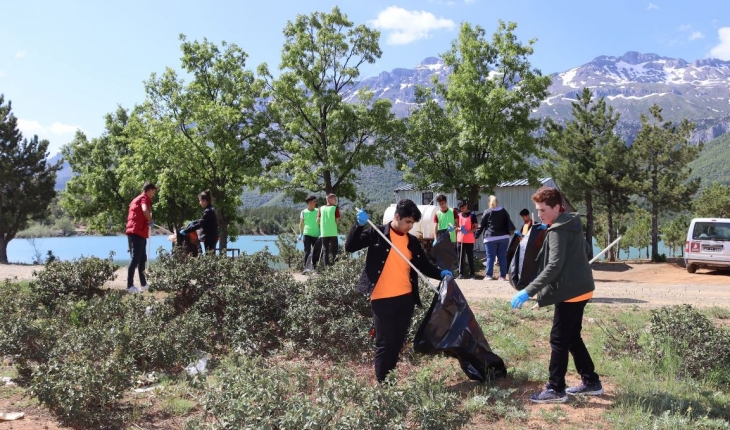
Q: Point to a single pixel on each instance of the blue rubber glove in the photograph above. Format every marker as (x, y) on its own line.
(301, 237)
(445, 273)
(519, 299)
(152, 223)
(362, 217)
(182, 232)
(451, 228)
(518, 233)
(463, 230)
(435, 241)
(541, 226)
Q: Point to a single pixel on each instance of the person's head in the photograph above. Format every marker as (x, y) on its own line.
(462, 206)
(311, 202)
(406, 214)
(493, 202)
(525, 214)
(443, 203)
(150, 189)
(548, 202)
(204, 199)
(331, 199)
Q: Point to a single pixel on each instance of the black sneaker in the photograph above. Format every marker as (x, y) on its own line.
(549, 395)
(590, 389)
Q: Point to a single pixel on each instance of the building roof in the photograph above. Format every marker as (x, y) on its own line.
(437, 185)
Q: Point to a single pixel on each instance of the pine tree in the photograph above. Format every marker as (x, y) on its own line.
(662, 151)
(26, 179)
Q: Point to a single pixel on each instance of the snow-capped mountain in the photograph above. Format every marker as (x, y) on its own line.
(631, 83)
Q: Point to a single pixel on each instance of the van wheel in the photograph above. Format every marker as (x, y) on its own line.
(691, 268)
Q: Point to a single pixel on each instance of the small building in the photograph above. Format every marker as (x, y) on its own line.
(513, 196)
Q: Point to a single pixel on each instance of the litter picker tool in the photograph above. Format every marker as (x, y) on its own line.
(590, 262)
(420, 275)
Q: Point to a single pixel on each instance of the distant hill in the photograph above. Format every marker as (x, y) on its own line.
(713, 163)
(63, 175)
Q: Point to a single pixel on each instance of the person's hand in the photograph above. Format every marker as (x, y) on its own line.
(463, 230)
(518, 233)
(445, 273)
(182, 232)
(451, 228)
(300, 237)
(519, 299)
(152, 223)
(435, 241)
(541, 227)
(362, 217)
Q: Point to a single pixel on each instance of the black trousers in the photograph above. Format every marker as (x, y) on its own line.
(312, 245)
(391, 317)
(138, 253)
(331, 247)
(210, 244)
(466, 251)
(565, 339)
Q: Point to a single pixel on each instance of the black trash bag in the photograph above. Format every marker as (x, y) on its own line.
(444, 253)
(521, 279)
(449, 327)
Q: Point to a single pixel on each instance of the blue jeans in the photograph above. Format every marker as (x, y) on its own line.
(498, 249)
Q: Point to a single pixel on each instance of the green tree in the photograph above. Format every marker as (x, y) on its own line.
(674, 233)
(206, 134)
(713, 202)
(662, 151)
(323, 140)
(484, 133)
(27, 180)
(590, 162)
(638, 233)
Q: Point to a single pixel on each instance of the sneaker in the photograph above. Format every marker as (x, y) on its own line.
(549, 395)
(144, 288)
(471, 277)
(590, 389)
(133, 289)
(489, 278)
(502, 278)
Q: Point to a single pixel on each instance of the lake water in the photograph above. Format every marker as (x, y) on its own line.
(68, 248)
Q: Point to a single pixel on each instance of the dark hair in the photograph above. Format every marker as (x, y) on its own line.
(524, 212)
(441, 198)
(205, 195)
(460, 203)
(548, 195)
(310, 198)
(149, 186)
(406, 208)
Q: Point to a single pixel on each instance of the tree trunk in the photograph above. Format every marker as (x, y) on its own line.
(654, 233)
(222, 231)
(589, 224)
(611, 236)
(3, 251)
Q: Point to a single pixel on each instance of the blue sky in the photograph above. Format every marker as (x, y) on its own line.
(65, 64)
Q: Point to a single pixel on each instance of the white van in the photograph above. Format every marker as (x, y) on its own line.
(708, 244)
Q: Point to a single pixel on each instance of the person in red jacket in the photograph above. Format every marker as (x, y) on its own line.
(139, 222)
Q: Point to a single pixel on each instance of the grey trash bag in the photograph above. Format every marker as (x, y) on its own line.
(449, 327)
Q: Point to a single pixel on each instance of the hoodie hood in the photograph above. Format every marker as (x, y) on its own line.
(568, 222)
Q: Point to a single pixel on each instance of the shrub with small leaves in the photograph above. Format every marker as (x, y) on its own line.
(329, 316)
(81, 278)
(691, 336)
(254, 393)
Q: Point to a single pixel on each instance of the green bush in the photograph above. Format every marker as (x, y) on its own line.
(684, 332)
(328, 316)
(244, 296)
(81, 278)
(253, 393)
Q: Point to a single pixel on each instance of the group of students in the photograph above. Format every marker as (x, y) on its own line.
(318, 230)
(564, 279)
(139, 224)
(463, 228)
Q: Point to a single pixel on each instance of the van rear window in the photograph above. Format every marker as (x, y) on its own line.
(711, 231)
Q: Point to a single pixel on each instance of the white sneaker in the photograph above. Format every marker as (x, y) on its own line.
(133, 289)
(144, 288)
